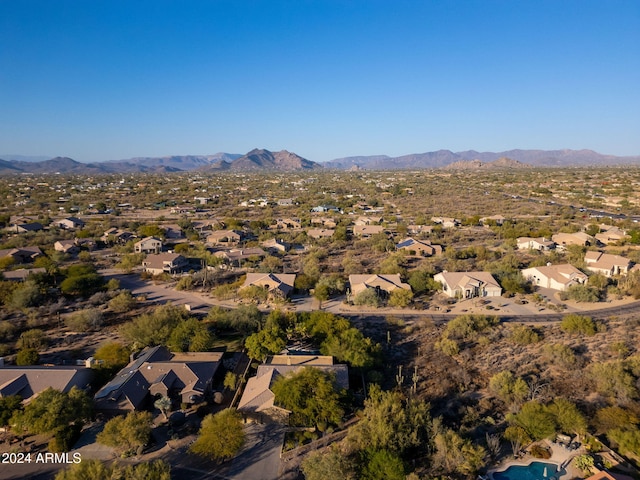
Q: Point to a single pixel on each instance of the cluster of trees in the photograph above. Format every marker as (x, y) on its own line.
(94, 469)
(168, 325)
(333, 334)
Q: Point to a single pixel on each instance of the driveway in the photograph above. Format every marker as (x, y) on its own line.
(259, 459)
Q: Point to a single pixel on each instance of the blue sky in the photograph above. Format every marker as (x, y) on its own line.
(108, 79)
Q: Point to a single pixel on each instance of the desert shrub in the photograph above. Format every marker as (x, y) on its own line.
(123, 302)
(367, 297)
(582, 293)
(448, 346)
(524, 335)
(85, 320)
(466, 327)
(574, 323)
(27, 356)
(560, 355)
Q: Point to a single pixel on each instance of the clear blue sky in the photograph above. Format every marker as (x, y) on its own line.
(111, 79)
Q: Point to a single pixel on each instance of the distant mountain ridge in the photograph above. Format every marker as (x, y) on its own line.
(501, 163)
(442, 158)
(263, 160)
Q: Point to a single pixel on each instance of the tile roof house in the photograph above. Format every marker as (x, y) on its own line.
(367, 230)
(446, 222)
(258, 401)
(468, 284)
(66, 246)
(419, 247)
(69, 223)
(21, 274)
(578, 238)
(116, 235)
(224, 236)
(416, 229)
(148, 245)
(539, 243)
(280, 284)
(606, 264)
(610, 234)
(156, 371)
(28, 382)
(164, 263)
(239, 254)
(557, 277)
(387, 283)
(320, 232)
(275, 244)
(22, 254)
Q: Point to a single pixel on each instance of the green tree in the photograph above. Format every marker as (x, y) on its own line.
(127, 434)
(585, 463)
(27, 356)
(8, 406)
(265, 342)
(190, 336)
(34, 338)
(231, 381)
(518, 437)
(383, 465)
(400, 298)
(163, 404)
(28, 295)
(112, 355)
(312, 396)
(536, 419)
(524, 335)
(53, 409)
(391, 421)
(509, 388)
(154, 329)
(456, 454)
(614, 417)
(568, 417)
(221, 436)
(352, 347)
(82, 285)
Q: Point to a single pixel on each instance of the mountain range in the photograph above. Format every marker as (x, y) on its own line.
(264, 160)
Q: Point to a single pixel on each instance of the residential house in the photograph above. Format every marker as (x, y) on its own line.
(69, 223)
(419, 247)
(367, 230)
(21, 254)
(287, 224)
(563, 240)
(172, 232)
(446, 222)
(326, 208)
(285, 202)
(610, 234)
(27, 227)
(367, 220)
(468, 284)
(607, 264)
(116, 236)
(324, 221)
(380, 283)
(148, 245)
(21, 274)
(557, 277)
(540, 243)
(185, 377)
(276, 245)
(235, 256)
(229, 237)
(417, 229)
(278, 284)
(28, 382)
(156, 264)
(320, 232)
(66, 246)
(258, 401)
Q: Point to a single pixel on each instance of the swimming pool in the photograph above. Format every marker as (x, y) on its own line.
(533, 471)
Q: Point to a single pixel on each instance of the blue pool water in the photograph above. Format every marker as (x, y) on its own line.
(533, 471)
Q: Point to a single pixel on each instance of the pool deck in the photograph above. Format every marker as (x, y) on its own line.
(560, 456)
